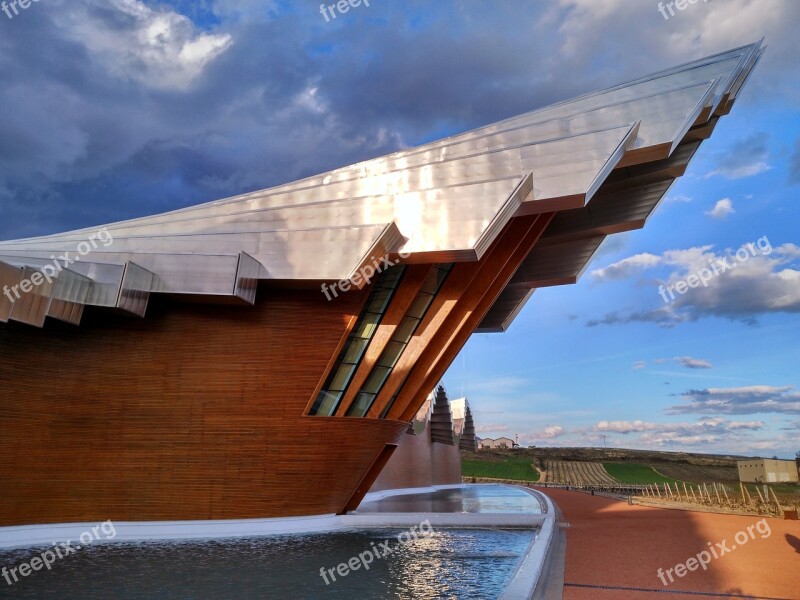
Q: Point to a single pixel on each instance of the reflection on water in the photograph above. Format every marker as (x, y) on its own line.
(447, 564)
(468, 499)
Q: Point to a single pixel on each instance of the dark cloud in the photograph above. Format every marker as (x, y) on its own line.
(102, 120)
(745, 158)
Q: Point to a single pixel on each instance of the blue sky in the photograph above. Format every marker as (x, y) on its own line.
(120, 108)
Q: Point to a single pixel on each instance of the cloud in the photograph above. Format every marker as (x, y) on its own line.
(156, 48)
(740, 401)
(627, 266)
(134, 108)
(704, 431)
(721, 209)
(754, 280)
(545, 436)
(685, 361)
(623, 426)
(745, 158)
(678, 198)
(693, 363)
(552, 431)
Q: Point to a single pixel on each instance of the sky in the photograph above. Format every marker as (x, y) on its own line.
(114, 109)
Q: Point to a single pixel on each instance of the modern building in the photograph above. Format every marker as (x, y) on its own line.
(263, 355)
(767, 470)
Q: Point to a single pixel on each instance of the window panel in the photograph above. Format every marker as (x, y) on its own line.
(376, 379)
(342, 376)
(327, 402)
(361, 404)
(356, 350)
(391, 354)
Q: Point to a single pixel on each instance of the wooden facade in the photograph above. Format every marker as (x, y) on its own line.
(193, 413)
(200, 411)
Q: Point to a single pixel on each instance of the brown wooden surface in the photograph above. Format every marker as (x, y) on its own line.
(469, 317)
(464, 296)
(195, 412)
(420, 462)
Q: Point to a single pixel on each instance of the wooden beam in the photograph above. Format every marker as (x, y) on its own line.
(428, 372)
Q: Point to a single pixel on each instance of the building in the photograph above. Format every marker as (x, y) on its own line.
(263, 355)
(501, 442)
(766, 470)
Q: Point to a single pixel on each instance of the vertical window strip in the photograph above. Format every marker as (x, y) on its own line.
(400, 339)
(330, 396)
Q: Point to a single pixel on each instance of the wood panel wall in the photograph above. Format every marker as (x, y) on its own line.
(195, 412)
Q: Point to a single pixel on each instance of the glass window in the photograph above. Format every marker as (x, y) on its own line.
(400, 339)
(350, 357)
(391, 354)
(362, 402)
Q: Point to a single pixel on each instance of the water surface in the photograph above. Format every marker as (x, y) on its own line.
(470, 564)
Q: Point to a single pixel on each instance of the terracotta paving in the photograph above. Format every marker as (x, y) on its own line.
(617, 547)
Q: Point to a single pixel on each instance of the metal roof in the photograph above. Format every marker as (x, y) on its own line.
(602, 161)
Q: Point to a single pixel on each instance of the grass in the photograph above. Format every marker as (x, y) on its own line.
(509, 467)
(634, 473)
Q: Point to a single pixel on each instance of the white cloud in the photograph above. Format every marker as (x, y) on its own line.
(623, 426)
(721, 209)
(627, 266)
(678, 198)
(552, 431)
(703, 432)
(156, 48)
(765, 279)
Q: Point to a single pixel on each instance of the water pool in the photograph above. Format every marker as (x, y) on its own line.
(451, 563)
(466, 499)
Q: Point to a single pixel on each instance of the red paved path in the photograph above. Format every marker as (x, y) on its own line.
(612, 544)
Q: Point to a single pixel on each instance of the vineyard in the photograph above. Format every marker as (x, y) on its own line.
(576, 473)
(698, 474)
(503, 467)
(634, 473)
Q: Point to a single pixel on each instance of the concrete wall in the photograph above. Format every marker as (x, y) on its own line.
(767, 470)
(420, 462)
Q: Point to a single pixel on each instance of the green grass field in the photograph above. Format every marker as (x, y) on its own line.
(634, 473)
(510, 467)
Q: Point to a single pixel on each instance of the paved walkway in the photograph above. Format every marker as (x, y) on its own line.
(614, 552)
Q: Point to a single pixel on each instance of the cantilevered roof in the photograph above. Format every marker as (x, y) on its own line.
(601, 162)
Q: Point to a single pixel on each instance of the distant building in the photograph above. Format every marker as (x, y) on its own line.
(502, 442)
(767, 470)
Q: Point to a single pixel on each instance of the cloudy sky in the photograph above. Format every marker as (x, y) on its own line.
(113, 109)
